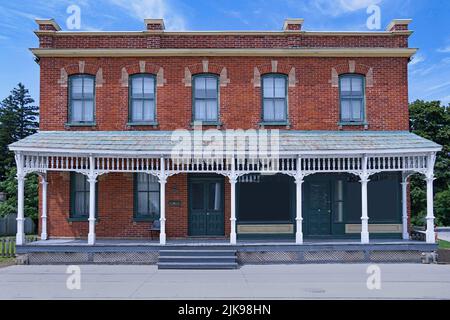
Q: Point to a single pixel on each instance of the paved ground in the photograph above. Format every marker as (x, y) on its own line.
(406, 281)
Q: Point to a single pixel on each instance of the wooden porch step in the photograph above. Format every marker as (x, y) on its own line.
(197, 259)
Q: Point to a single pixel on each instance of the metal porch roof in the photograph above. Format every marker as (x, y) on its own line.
(160, 142)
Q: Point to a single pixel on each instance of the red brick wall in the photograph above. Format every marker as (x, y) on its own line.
(115, 208)
(313, 105)
(313, 102)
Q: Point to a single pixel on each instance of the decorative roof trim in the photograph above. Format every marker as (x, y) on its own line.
(300, 52)
(224, 33)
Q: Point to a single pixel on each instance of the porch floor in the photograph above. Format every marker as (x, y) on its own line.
(206, 242)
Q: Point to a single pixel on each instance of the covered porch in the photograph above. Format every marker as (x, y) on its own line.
(301, 156)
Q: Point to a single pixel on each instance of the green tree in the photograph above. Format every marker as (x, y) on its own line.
(9, 186)
(431, 120)
(18, 119)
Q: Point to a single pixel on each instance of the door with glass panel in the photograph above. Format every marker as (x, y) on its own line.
(206, 216)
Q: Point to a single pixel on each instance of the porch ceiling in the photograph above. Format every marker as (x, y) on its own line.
(160, 143)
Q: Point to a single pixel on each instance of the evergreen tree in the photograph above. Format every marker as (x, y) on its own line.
(18, 119)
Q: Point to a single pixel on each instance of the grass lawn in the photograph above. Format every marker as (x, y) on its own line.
(6, 261)
(444, 244)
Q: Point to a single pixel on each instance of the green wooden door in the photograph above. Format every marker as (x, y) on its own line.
(206, 216)
(319, 208)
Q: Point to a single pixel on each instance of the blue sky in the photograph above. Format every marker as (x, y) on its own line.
(429, 71)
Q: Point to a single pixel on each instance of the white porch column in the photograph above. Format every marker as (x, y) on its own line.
(405, 234)
(430, 234)
(233, 180)
(299, 215)
(162, 205)
(92, 179)
(233, 236)
(44, 184)
(20, 235)
(364, 205)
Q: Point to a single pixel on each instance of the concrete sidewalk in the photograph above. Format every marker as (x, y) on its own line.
(398, 281)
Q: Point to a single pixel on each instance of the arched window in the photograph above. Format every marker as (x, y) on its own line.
(81, 99)
(206, 98)
(142, 98)
(274, 94)
(352, 100)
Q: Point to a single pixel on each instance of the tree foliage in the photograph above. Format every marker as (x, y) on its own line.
(18, 119)
(431, 120)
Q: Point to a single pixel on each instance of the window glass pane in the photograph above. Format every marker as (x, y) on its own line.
(269, 109)
(211, 88)
(77, 110)
(153, 185)
(142, 181)
(149, 85)
(88, 111)
(214, 196)
(86, 204)
(136, 110)
(200, 87)
(76, 86)
(211, 110)
(136, 86)
(345, 110)
(149, 110)
(279, 109)
(142, 208)
(79, 203)
(200, 110)
(88, 86)
(268, 87)
(345, 85)
(80, 182)
(197, 196)
(356, 109)
(357, 85)
(280, 89)
(154, 203)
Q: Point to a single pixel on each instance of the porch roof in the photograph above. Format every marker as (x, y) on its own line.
(160, 142)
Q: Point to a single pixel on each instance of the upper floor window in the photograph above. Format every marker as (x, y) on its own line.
(81, 98)
(206, 98)
(351, 88)
(146, 198)
(142, 98)
(274, 98)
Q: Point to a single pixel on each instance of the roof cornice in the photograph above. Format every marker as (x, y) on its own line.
(225, 33)
(293, 52)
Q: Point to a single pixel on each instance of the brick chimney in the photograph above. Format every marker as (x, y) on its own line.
(293, 25)
(398, 25)
(154, 24)
(48, 25)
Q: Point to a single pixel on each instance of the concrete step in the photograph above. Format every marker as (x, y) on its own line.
(196, 265)
(193, 252)
(193, 258)
(197, 259)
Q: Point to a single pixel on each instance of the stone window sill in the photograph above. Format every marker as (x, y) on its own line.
(141, 124)
(80, 124)
(206, 123)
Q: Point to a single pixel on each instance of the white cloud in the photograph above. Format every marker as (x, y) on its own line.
(418, 58)
(143, 9)
(444, 50)
(338, 7)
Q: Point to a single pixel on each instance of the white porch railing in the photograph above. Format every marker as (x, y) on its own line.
(362, 165)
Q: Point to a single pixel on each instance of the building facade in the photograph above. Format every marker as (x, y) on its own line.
(331, 108)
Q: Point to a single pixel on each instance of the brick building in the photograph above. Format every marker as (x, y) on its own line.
(334, 106)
